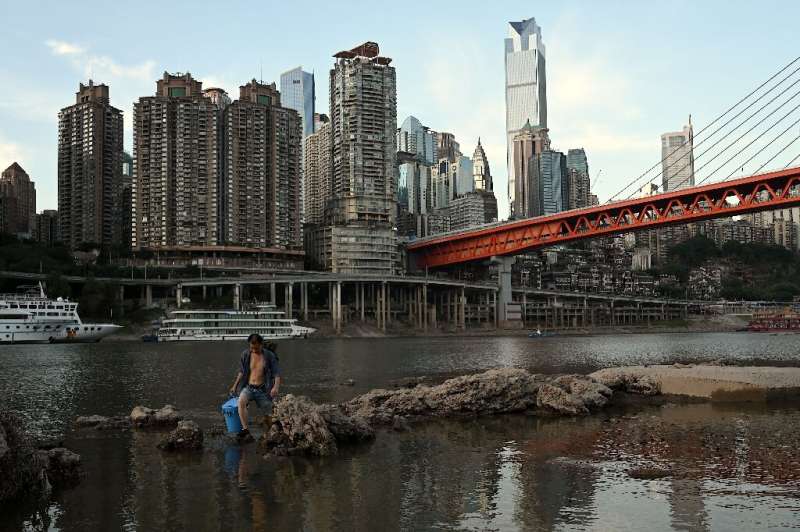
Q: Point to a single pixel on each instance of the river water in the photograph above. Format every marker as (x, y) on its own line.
(731, 467)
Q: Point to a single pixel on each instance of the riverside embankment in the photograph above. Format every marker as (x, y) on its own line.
(501, 471)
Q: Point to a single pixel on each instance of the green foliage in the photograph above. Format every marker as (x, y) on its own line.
(694, 252)
(56, 286)
(98, 299)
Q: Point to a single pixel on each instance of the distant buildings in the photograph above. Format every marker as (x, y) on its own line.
(526, 91)
(528, 145)
(418, 140)
(578, 179)
(317, 171)
(90, 141)
(481, 173)
(677, 153)
(44, 227)
(473, 208)
(17, 201)
(357, 234)
(298, 93)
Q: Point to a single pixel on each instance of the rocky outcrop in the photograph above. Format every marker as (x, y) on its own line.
(103, 422)
(299, 428)
(63, 467)
(628, 382)
(572, 395)
(346, 429)
(28, 472)
(495, 391)
(186, 437)
(143, 417)
(20, 469)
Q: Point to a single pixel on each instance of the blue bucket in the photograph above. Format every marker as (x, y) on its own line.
(231, 412)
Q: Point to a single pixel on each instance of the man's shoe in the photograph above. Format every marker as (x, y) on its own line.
(244, 436)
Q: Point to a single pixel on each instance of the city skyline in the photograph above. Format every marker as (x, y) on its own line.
(607, 93)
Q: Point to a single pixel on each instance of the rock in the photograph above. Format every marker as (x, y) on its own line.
(63, 466)
(628, 382)
(21, 471)
(573, 395)
(103, 422)
(492, 392)
(648, 473)
(346, 429)
(143, 417)
(400, 424)
(299, 428)
(186, 437)
(48, 444)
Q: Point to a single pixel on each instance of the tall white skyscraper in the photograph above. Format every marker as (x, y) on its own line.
(526, 87)
(677, 153)
(297, 92)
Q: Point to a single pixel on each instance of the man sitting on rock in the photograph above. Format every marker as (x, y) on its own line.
(258, 380)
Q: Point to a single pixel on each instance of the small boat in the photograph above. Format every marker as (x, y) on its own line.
(540, 334)
(786, 320)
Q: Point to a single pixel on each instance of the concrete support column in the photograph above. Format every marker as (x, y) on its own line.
(290, 303)
(496, 313)
(613, 316)
(178, 294)
(304, 300)
(148, 295)
(463, 308)
(362, 301)
(272, 295)
(338, 298)
(425, 307)
(204, 292)
(504, 295)
(237, 296)
(382, 307)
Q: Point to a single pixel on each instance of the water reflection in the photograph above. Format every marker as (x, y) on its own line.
(731, 466)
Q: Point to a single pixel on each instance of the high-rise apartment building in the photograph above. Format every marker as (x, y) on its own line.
(176, 166)
(446, 147)
(298, 93)
(481, 173)
(473, 209)
(677, 154)
(262, 185)
(526, 89)
(90, 141)
(529, 143)
(359, 235)
(44, 227)
(415, 138)
(317, 171)
(19, 194)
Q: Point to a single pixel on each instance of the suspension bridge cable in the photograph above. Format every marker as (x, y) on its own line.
(786, 67)
(740, 137)
(793, 160)
(786, 89)
(767, 145)
(776, 155)
(751, 143)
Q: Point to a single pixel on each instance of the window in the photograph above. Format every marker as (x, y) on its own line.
(263, 99)
(177, 92)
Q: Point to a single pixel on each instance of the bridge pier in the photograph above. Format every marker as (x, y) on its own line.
(178, 294)
(504, 295)
(237, 296)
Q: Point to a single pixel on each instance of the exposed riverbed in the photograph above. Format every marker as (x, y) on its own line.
(727, 466)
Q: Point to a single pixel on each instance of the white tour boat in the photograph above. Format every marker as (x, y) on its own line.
(31, 317)
(265, 320)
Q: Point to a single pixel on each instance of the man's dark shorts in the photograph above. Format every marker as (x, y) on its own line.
(260, 395)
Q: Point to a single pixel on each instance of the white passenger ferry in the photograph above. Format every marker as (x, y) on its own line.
(31, 318)
(265, 320)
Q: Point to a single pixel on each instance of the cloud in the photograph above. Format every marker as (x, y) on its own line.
(64, 48)
(10, 152)
(100, 66)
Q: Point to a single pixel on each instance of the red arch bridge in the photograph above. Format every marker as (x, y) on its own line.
(768, 191)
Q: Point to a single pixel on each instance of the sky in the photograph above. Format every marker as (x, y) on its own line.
(619, 73)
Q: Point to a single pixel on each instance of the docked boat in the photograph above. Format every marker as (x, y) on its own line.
(786, 320)
(266, 320)
(30, 317)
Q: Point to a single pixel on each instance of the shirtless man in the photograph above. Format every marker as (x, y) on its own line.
(259, 379)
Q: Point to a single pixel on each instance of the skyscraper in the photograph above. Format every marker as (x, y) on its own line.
(317, 171)
(262, 143)
(677, 152)
(413, 137)
(90, 141)
(19, 194)
(358, 235)
(481, 173)
(298, 93)
(578, 179)
(529, 143)
(526, 88)
(363, 104)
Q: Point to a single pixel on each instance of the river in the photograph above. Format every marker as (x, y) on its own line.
(499, 473)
